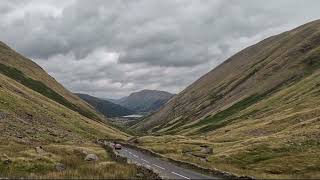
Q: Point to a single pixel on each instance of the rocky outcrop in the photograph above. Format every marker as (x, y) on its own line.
(91, 157)
(206, 150)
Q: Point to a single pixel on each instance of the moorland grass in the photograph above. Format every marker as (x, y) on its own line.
(41, 88)
(26, 163)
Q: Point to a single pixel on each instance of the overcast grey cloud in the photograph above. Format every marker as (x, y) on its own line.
(111, 48)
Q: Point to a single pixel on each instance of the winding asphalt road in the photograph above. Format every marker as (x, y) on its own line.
(165, 169)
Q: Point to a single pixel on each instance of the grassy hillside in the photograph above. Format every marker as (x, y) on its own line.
(33, 76)
(34, 114)
(241, 81)
(258, 111)
(41, 88)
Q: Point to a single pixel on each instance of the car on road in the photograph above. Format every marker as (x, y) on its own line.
(117, 147)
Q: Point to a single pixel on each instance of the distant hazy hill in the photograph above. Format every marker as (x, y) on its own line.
(107, 108)
(145, 100)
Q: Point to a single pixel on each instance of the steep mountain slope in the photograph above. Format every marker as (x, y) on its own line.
(107, 108)
(145, 100)
(34, 77)
(256, 114)
(37, 111)
(241, 81)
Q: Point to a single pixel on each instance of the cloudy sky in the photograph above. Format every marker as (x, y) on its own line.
(110, 48)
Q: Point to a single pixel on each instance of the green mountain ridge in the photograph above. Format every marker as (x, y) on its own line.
(258, 112)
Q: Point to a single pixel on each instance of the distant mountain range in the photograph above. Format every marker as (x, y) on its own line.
(107, 108)
(145, 100)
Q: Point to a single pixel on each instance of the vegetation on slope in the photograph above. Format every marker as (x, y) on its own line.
(33, 116)
(28, 164)
(31, 71)
(42, 89)
(259, 112)
(29, 120)
(246, 76)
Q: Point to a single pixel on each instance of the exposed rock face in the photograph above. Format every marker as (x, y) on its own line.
(91, 157)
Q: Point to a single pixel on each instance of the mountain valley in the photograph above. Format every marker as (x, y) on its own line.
(256, 115)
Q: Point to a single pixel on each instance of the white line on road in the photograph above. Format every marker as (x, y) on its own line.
(159, 167)
(145, 160)
(135, 155)
(180, 175)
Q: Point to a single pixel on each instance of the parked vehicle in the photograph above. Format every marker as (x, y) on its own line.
(117, 147)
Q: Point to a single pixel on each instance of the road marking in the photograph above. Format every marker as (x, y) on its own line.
(180, 175)
(135, 155)
(159, 167)
(145, 160)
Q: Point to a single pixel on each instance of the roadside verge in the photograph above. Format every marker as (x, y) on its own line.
(211, 172)
(143, 172)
